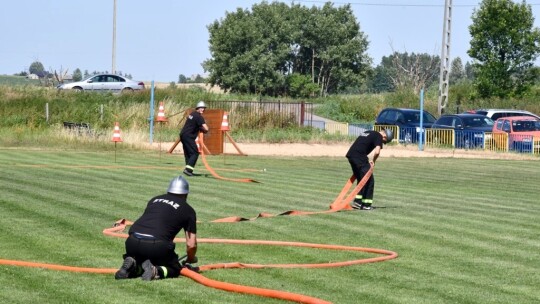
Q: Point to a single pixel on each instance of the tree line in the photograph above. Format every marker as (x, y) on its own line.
(276, 49)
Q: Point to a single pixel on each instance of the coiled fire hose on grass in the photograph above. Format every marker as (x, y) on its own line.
(339, 204)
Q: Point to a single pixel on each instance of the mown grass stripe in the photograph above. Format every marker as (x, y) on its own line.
(457, 243)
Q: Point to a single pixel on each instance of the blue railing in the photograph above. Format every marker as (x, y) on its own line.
(458, 139)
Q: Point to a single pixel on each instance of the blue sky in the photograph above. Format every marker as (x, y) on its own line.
(161, 39)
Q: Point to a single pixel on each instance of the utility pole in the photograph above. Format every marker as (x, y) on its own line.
(445, 57)
(113, 69)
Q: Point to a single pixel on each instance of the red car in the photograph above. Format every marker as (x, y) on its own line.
(523, 133)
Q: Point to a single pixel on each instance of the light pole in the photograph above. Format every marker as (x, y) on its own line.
(113, 69)
(445, 57)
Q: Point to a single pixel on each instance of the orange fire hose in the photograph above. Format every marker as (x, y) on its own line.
(340, 203)
(269, 293)
(213, 172)
(283, 295)
(387, 255)
(57, 267)
(342, 200)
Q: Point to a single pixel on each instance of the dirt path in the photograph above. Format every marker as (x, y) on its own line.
(339, 150)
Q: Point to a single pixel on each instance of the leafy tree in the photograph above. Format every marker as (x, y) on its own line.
(332, 48)
(256, 51)
(457, 72)
(37, 68)
(250, 50)
(198, 79)
(505, 44)
(469, 71)
(182, 78)
(460, 94)
(301, 86)
(77, 75)
(380, 81)
(404, 70)
(86, 74)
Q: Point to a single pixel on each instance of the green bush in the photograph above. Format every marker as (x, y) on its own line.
(402, 98)
(364, 108)
(301, 86)
(351, 108)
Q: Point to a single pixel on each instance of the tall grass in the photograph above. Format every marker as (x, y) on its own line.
(26, 121)
(17, 81)
(289, 135)
(23, 111)
(365, 107)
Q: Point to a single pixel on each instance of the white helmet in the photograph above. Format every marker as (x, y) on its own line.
(200, 104)
(178, 186)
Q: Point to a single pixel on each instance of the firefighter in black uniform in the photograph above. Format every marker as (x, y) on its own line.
(195, 123)
(150, 246)
(358, 158)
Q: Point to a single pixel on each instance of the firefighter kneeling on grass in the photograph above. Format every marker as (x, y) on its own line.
(358, 158)
(150, 246)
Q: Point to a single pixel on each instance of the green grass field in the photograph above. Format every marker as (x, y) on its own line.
(466, 230)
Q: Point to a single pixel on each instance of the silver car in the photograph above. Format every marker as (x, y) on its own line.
(495, 114)
(104, 83)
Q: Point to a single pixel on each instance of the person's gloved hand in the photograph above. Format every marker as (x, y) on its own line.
(183, 260)
(193, 266)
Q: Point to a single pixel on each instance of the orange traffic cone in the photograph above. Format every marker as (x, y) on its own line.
(225, 122)
(116, 135)
(161, 113)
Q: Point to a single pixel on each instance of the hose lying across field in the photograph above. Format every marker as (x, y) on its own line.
(212, 171)
(340, 203)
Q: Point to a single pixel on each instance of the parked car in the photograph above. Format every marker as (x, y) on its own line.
(523, 133)
(469, 129)
(104, 83)
(495, 114)
(408, 121)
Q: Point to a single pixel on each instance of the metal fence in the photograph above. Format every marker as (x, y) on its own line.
(337, 128)
(524, 143)
(262, 113)
(456, 139)
(442, 138)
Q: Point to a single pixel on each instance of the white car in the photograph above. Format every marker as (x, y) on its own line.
(104, 83)
(495, 114)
